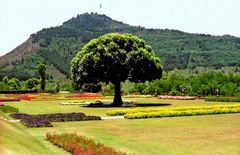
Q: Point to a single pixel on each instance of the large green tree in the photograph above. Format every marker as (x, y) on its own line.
(114, 58)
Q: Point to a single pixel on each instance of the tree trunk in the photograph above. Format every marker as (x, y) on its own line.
(117, 97)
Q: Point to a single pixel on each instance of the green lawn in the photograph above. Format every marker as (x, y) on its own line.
(14, 139)
(212, 134)
(38, 107)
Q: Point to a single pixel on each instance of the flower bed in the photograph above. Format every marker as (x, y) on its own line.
(36, 122)
(177, 97)
(137, 113)
(24, 97)
(79, 145)
(86, 95)
(1, 104)
(9, 99)
(43, 120)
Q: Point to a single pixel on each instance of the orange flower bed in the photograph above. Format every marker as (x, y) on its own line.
(86, 95)
(9, 99)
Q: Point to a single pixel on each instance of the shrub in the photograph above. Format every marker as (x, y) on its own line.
(32, 83)
(14, 84)
(223, 99)
(9, 99)
(8, 109)
(79, 145)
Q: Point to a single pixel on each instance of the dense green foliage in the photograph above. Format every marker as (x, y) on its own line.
(32, 83)
(177, 50)
(8, 109)
(223, 99)
(115, 58)
(14, 84)
(202, 84)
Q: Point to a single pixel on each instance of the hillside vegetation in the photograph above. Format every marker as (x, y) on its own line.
(56, 46)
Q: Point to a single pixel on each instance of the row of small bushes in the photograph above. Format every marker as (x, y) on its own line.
(223, 99)
(9, 99)
(18, 91)
(8, 109)
(44, 120)
(172, 112)
(79, 145)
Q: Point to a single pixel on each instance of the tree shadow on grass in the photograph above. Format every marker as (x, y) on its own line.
(109, 105)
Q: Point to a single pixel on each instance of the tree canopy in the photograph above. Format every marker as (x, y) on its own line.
(115, 58)
(41, 68)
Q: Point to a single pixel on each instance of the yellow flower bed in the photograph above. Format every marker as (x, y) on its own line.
(136, 113)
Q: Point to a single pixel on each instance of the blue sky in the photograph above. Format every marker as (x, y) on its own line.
(20, 18)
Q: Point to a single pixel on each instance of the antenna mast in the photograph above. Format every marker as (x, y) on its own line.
(100, 8)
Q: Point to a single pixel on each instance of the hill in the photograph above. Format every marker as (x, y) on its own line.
(56, 46)
(15, 140)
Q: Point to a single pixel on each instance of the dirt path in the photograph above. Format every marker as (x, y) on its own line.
(112, 117)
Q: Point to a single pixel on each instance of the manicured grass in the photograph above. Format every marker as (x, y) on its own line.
(14, 140)
(41, 107)
(215, 134)
(44, 107)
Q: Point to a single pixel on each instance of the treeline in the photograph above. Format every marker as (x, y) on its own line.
(32, 85)
(203, 84)
(172, 83)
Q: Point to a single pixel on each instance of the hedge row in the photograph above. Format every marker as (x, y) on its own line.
(136, 113)
(44, 120)
(18, 91)
(8, 109)
(9, 99)
(79, 145)
(223, 99)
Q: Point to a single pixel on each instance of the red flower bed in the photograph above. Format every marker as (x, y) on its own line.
(24, 97)
(86, 95)
(8, 99)
(79, 145)
(1, 104)
(44, 98)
